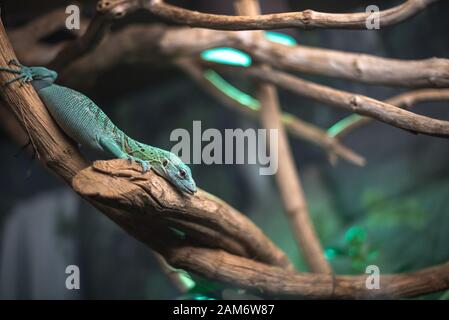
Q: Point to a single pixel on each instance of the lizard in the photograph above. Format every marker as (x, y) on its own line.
(83, 121)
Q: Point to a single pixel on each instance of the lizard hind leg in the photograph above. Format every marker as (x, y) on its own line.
(10, 70)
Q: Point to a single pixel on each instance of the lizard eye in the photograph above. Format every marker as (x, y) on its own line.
(164, 162)
(182, 173)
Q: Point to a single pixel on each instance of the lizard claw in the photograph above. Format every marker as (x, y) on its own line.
(14, 62)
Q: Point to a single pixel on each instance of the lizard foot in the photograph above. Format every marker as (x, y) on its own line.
(24, 73)
(145, 165)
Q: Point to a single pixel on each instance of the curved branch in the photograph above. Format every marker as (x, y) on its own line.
(405, 101)
(122, 185)
(308, 19)
(273, 281)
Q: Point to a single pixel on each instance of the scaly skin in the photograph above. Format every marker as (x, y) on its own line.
(82, 120)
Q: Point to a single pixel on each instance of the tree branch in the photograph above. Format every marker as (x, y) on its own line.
(122, 185)
(308, 19)
(353, 102)
(405, 101)
(274, 282)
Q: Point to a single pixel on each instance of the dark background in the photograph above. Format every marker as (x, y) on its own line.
(392, 213)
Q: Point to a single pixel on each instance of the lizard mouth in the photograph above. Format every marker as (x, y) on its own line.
(189, 189)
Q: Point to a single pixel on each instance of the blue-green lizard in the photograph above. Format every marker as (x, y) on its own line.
(82, 120)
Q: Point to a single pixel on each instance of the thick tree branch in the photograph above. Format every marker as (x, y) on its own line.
(308, 19)
(272, 281)
(122, 185)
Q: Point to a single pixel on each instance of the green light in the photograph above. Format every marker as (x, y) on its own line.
(330, 253)
(281, 38)
(186, 280)
(228, 56)
(338, 127)
(355, 235)
(231, 91)
(201, 297)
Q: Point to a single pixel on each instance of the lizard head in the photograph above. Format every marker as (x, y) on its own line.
(42, 73)
(177, 172)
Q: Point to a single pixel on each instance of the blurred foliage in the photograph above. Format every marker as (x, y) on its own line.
(355, 249)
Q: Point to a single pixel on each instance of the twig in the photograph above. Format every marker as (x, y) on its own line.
(308, 19)
(287, 177)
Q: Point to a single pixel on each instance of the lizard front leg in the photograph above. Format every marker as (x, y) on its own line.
(111, 146)
(24, 73)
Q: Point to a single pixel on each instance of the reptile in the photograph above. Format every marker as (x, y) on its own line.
(83, 121)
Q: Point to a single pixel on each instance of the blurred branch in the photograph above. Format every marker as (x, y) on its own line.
(287, 177)
(273, 281)
(307, 19)
(405, 101)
